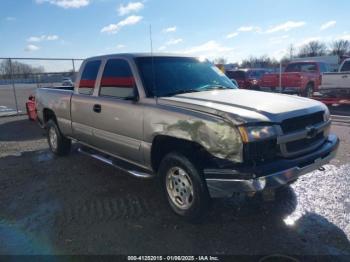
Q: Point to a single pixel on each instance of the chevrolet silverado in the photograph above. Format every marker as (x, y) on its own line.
(181, 119)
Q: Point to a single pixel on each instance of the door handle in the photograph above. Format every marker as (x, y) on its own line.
(97, 108)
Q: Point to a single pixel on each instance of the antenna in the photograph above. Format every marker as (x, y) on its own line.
(150, 38)
(154, 89)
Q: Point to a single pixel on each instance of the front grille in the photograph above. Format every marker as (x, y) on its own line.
(304, 143)
(300, 122)
(260, 151)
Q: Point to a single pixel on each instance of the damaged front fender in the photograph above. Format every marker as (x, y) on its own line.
(219, 138)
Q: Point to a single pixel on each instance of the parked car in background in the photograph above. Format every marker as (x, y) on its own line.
(247, 78)
(302, 78)
(67, 82)
(335, 87)
(181, 119)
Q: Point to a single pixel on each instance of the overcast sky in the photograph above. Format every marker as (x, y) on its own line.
(221, 28)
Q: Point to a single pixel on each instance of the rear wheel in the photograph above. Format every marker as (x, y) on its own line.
(184, 186)
(59, 144)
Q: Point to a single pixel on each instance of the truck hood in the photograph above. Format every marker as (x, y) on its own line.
(244, 106)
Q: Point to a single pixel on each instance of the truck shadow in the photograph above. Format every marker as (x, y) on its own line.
(20, 130)
(79, 205)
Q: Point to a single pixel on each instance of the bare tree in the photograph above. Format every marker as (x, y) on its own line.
(340, 47)
(220, 60)
(18, 69)
(259, 62)
(313, 48)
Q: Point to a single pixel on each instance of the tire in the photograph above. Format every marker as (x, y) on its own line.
(308, 91)
(184, 186)
(59, 145)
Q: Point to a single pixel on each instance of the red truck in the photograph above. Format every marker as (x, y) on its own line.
(302, 78)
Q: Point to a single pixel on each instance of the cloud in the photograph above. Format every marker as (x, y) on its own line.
(170, 42)
(328, 25)
(10, 18)
(52, 37)
(210, 49)
(308, 40)
(114, 28)
(278, 39)
(344, 36)
(37, 39)
(66, 4)
(174, 41)
(243, 29)
(287, 26)
(232, 35)
(130, 8)
(169, 29)
(31, 48)
(120, 46)
(279, 54)
(248, 29)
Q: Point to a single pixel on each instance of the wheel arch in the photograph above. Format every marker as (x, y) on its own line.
(164, 144)
(49, 114)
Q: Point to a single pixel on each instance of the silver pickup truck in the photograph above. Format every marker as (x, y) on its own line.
(181, 119)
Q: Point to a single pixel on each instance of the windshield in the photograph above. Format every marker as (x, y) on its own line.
(167, 76)
(301, 67)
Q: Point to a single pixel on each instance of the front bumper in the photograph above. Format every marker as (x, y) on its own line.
(225, 182)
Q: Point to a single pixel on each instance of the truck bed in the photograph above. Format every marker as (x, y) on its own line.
(59, 101)
(288, 80)
(336, 80)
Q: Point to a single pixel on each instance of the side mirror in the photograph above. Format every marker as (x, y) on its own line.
(135, 95)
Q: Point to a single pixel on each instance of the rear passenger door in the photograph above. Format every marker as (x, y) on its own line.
(83, 102)
(118, 127)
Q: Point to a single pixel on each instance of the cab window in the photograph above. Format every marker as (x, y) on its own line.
(88, 77)
(117, 80)
(346, 67)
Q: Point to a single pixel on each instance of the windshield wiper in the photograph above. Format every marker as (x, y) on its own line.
(212, 87)
(182, 92)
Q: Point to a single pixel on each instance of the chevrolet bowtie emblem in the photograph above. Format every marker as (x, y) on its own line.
(311, 131)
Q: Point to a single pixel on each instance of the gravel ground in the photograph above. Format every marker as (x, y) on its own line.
(77, 205)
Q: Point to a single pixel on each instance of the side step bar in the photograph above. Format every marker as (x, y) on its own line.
(117, 163)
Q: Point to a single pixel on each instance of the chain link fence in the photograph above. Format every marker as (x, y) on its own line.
(20, 77)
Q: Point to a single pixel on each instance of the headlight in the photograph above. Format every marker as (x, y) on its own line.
(326, 115)
(256, 133)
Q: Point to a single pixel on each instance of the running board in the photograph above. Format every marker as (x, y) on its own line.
(117, 163)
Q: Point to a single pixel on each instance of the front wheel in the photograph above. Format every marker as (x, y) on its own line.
(184, 186)
(59, 144)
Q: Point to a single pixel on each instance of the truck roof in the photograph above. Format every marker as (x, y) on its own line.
(306, 61)
(135, 55)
